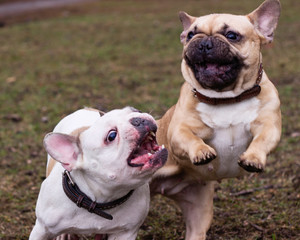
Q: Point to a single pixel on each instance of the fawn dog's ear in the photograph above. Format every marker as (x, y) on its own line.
(186, 21)
(265, 19)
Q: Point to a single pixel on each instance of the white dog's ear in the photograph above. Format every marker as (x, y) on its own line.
(62, 148)
(265, 19)
(186, 21)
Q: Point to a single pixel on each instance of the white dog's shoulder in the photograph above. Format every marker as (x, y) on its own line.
(131, 213)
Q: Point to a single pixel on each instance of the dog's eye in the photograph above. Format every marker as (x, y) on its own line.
(190, 35)
(232, 36)
(111, 136)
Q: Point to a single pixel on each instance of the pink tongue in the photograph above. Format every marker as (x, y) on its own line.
(148, 146)
(211, 67)
(140, 160)
(215, 67)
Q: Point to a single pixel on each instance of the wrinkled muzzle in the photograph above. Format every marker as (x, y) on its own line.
(213, 64)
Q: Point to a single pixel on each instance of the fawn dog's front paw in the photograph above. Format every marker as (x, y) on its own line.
(251, 162)
(201, 154)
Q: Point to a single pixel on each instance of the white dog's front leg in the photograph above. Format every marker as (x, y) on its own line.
(39, 232)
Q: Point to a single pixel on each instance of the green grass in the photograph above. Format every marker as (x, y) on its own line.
(116, 53)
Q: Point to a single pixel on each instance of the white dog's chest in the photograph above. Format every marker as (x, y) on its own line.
(231, 125)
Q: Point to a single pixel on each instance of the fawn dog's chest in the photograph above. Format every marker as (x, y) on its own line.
(231, 132)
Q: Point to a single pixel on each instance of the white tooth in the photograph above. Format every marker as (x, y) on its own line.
(163, 146)
(149, 154)
(152, 133)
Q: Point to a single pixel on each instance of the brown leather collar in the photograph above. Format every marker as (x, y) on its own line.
(252, 92)
(82, 200)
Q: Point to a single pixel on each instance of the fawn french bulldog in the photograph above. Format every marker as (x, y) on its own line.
(102, 184)
(227, 118)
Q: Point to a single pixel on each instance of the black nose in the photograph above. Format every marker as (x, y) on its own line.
(206, 45)
(143, 124)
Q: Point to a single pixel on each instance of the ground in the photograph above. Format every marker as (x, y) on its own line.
(110, 54)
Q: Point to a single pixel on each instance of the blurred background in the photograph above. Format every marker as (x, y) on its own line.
(57, 56)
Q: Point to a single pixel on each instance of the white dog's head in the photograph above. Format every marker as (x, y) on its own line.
(120, 148)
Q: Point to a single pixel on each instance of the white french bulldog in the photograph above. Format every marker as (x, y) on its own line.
(105, 162)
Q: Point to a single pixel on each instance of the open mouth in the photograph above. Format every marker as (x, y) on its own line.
(216, 74)
(215, 67)
(148, 154)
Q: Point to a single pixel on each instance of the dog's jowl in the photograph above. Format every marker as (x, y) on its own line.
(227, 118)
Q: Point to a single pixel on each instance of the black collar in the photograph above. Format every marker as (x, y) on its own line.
(82, 200)
(252, 92)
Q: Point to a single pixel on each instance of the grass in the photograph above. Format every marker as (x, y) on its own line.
(116, 53)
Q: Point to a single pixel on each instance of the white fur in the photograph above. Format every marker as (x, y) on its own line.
(231, 137)
(102, 173)
(214, 94)
(76, 120)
